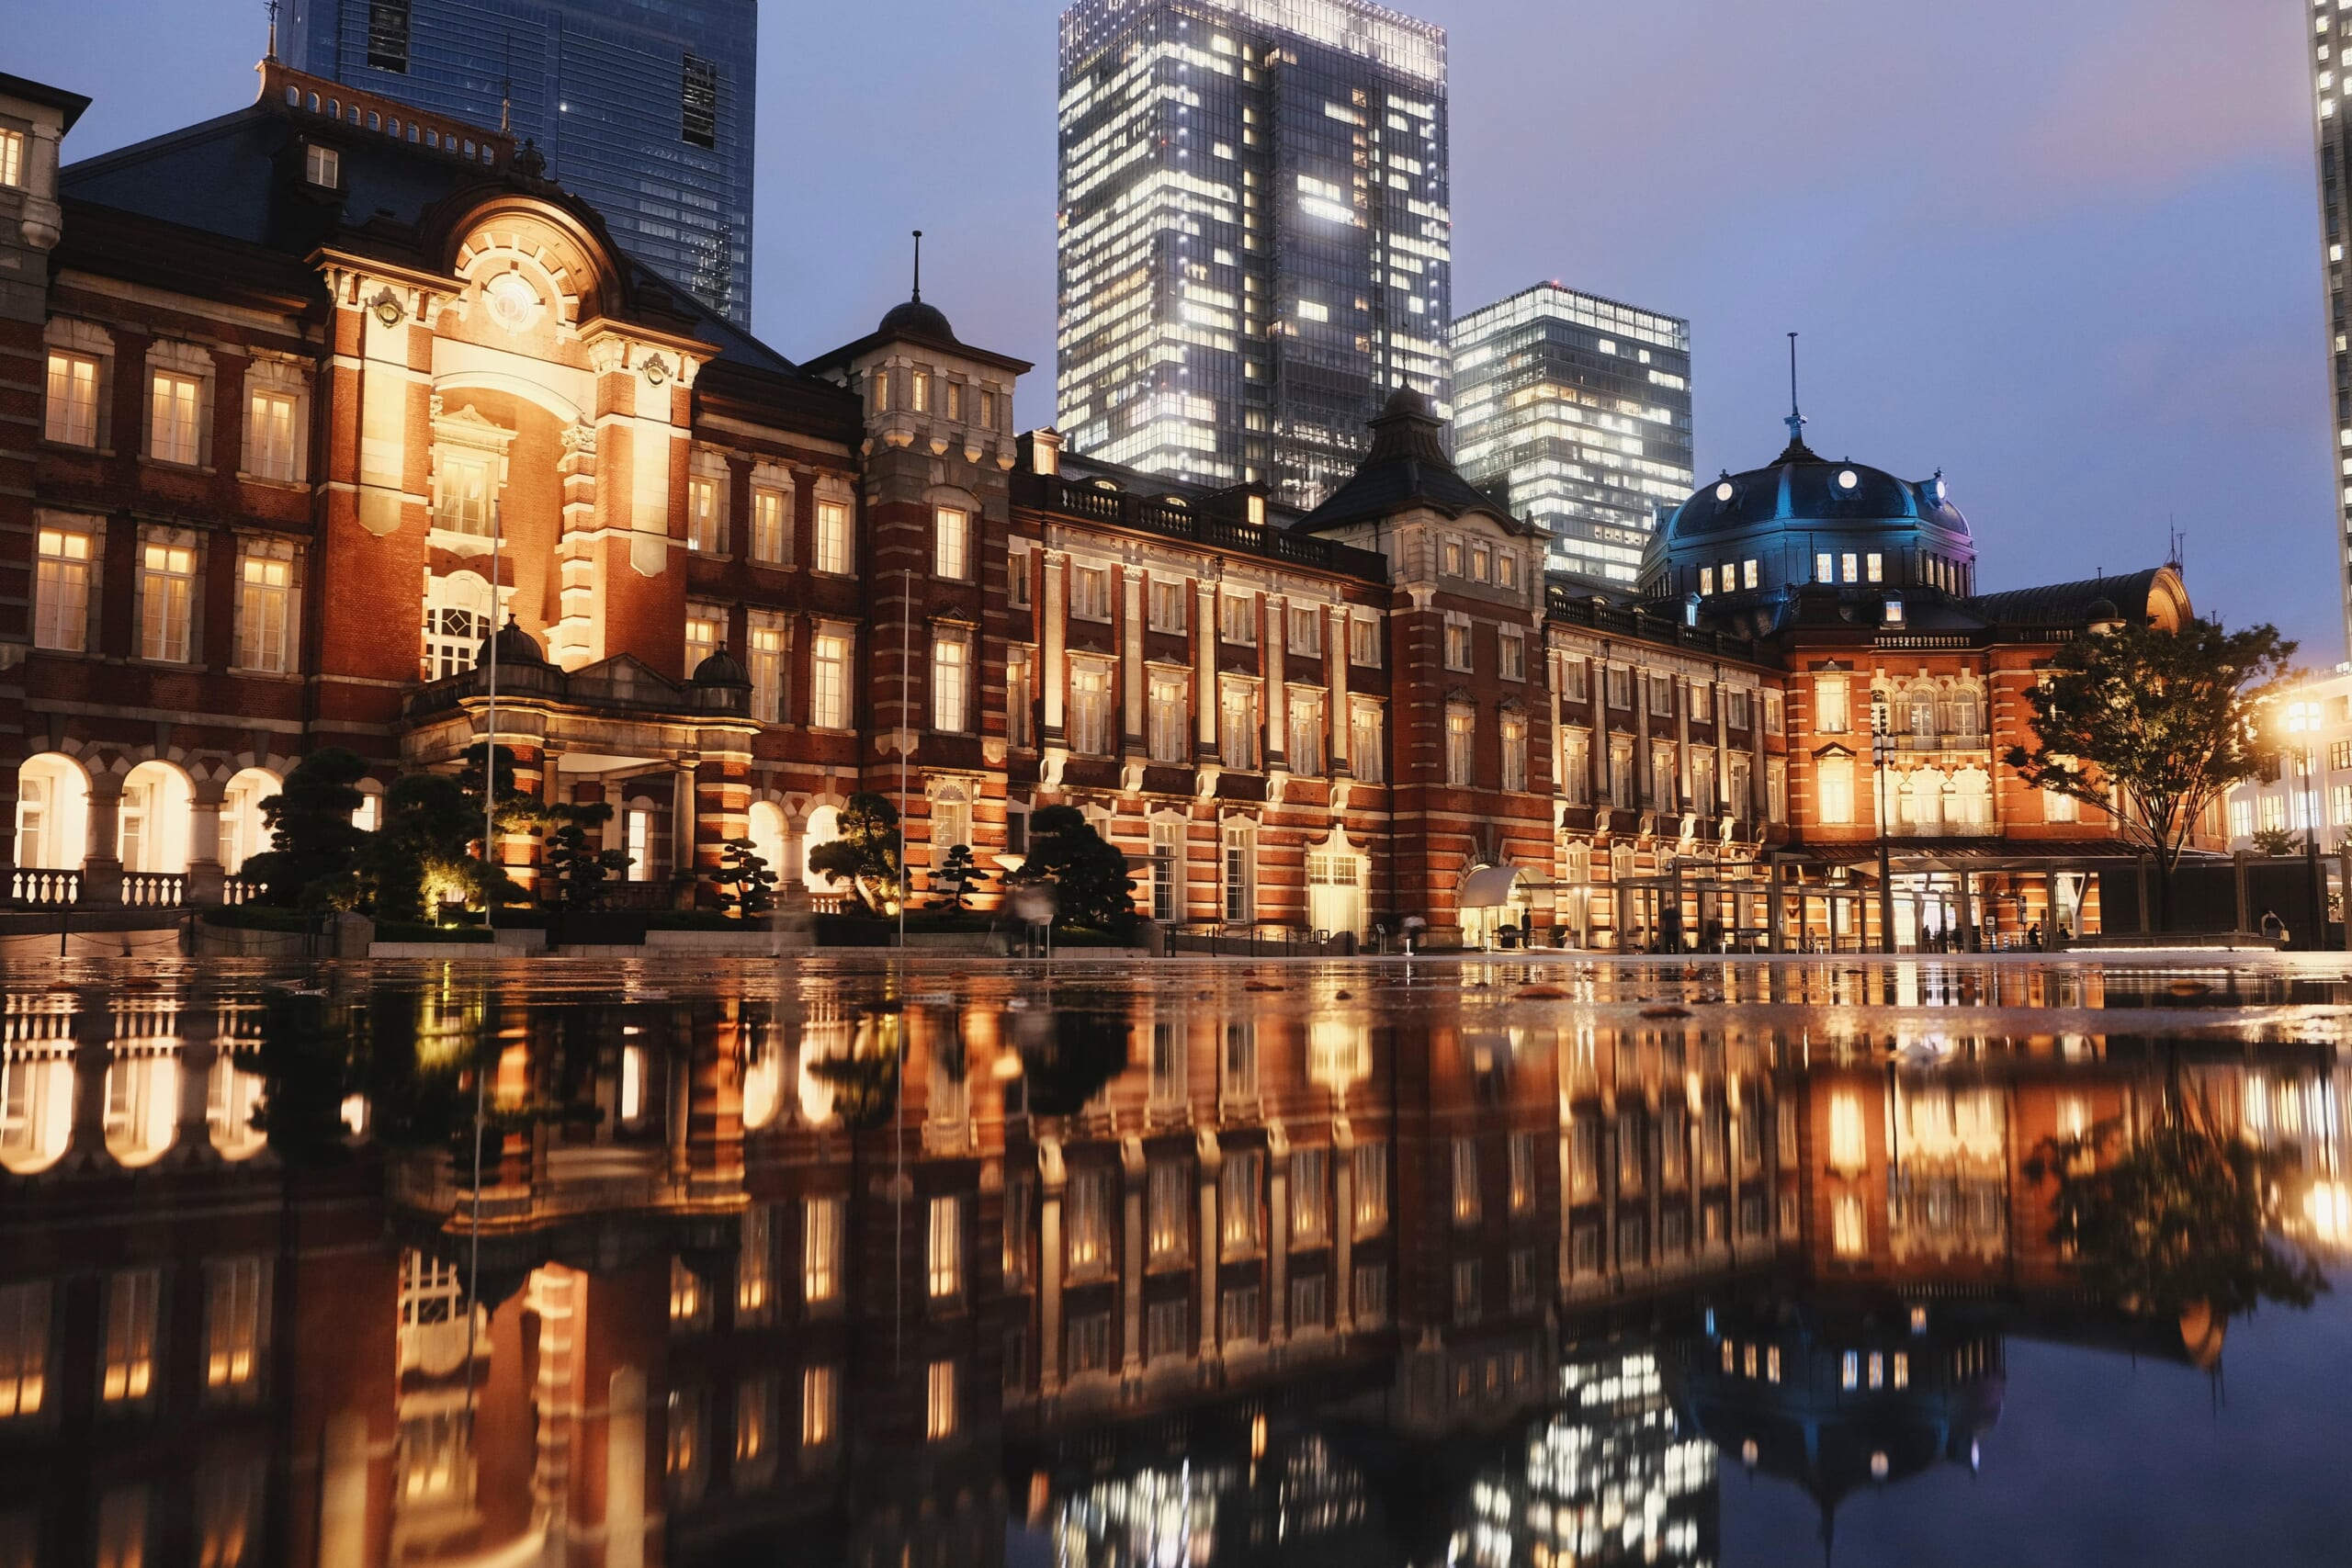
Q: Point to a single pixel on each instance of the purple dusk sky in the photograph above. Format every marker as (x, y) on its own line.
(2065, 252)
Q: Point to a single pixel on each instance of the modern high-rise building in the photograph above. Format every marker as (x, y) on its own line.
(1581, 408)
(644, 107)
(2331, 38)
(1256, 250)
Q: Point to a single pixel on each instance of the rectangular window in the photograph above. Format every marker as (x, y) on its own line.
(1090, 709)
(1020, 701)
(1702, 783)
(919, 388)
(1237, 726)
(62, 591)
(1522, 1174)
(1481, 563)
(175, 405)
(236, 1326)
(1461, 746)
(12, 158)
(1166, 873)
(1524, 1287)
(1310, 1197)
(705, 626)
(706, 522)
(269, 435)
(1466, 1207)
(829, 681)
(1575, 767)
(1090, 592)
(1514, 753)
(951, 553)
(946, 1251)
(1621, 772)
(1170, 719)
(1238, 1311)
(820, 1251)
(1661, 696)
(833, 551)
(1306, 624)
(956, 401)
(819, 1390)
(1167, 1332)
(763, 645)
(461, 495)
(72, 414)
(1506, 569)
(1511, 654)
(1739, 789)
(1457, 645)
(771, 530)
(265, 605)
(1832, 703)
(1238, 619)
(1016, 579)
(1090, 1223)
(388, 34)
(1241, 873)
(1450, 557)
(1776, 790)
(1240, 1079)
(1370, 1178)
(754, 1419)
(1367, 745)
(1572, 676)
(1310, 1308)
(2057, 806)
(127, 1371)
(1848, 1237)
(1304, 741)
(699, 101)
(950, 684)
(1372, 1296)
(1874, 567)
(24, 1350)
(1019, 1193)
(1469, 1292)
(1825, 568)
(1851, 566)
(1168, 605)
(1170, 1210)
(1836, 777)
(1364, 642)
(1735, 708)
(755, 1268)
(167, 593)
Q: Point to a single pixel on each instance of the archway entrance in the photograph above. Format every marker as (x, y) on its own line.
(1493, 898)
(1335, 880)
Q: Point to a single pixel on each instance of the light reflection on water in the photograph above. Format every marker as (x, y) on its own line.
(1482, 1262)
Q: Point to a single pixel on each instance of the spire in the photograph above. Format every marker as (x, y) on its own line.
(271, 7)
(506, 91)
(1797, 452)
(918, 294)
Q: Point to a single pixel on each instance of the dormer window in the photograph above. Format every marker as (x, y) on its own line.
(1847, 478)
(1893, 611)
(1451, 559)
(323, 166)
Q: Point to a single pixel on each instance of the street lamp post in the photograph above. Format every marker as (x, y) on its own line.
(2303, 723)
(1881, 745)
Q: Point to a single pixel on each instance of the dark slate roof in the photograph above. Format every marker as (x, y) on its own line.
(1406, 468)
(1800, 488)
(68, 104)
(239, 177)
(2069, 603)
(912, 321)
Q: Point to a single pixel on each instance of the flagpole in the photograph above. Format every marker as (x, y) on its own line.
(489, 748)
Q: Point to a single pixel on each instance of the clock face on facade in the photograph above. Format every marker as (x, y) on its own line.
(513, 304)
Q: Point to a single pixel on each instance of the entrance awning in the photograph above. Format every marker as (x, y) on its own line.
(1490, 886)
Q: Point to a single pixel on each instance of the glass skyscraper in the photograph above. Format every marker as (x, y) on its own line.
(643, 107)
(1255, 244)
(2330, 41)
(1580, 407)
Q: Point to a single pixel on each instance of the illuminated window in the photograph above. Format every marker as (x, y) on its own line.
(833, 552)
(1461, 745)
(1304, 622)
(1310, 1198)
(271, 433)
(689, 1302)
(1090, 592)
(705, 515)
(127, 1368)
(1370, 1181)
(166, 592)
(1168, 605)
(1522, 1174)
(62, 591)
(1848, 1234)
(754, 1419)
(1465, 1182)
(12, 158)
(939, 1420)
(265, 604)
(323, 166)
(1514, 751)
(819, 1391)
(1874, 567)
(919, 392)
(1238, 619)
(755, 1267)
(1851, 1369)
(1020, 702)
(1240, 1220)
(1844, 1131)
(1457, 645)
(1835, 778)
(820, 1251)
(1170, 1209)
(236, 1326)
(175, 415)
(951, 543)
(1364, 642)
(1090, 729)
(1901, 1369)
(1304, 742)
(950, 683)
(763, 640)
(1088, 1218)
(706, 627)
(829, 681)
(72, 414)
(771, 530)
(1367, 744)
(1850, 566)
(1169, 718)
(1512, 649)
(1237, 725)
(685, 1442)
(24, 1348)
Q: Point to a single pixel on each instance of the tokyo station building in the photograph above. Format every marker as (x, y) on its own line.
(306, 401)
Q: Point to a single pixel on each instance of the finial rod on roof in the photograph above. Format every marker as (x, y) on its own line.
(1796, 418)
(918, 263)
(271, 7)
(506, 90)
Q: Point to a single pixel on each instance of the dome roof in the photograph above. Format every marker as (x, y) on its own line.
(516, 646)
(721, 668)
(1801, 488)
(913, 318)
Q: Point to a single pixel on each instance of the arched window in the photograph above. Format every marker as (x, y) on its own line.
(1923, 710)
(152, 829)
(243, 830)
(1971, 799)
(456, 619)
(1836, 777)
(767, 833)
(824, 827)
(1925, 794)
(951, 821)
(1965, 713)
(53, 812)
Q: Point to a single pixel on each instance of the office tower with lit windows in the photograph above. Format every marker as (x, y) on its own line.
(1578, 408)
(1255, 246)
(2330, 42)
(643, 107)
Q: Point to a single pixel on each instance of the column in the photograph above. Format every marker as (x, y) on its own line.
(1641, 787)
(1682, 690)
(1211, 1157)
(1276, 635)
(1335, 678)
(199, 1052)
(1343, 1226)
(1056, 665)
(1052, 1180)
(1131, 1264)
(1131, 664)
(207, 881)
(624, 1471)
(1277, 1234)
(1204, 639)
(682, 821)
(102, 860)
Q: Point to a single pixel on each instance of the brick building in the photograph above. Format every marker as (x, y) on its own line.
(314, 395)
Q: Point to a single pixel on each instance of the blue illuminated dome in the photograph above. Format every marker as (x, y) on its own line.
(1745, 546)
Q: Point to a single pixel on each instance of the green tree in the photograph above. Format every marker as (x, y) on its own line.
(957, 875)
(745, 885)
(578, 867)
(423, 854)
(2152, 727)
(2276, 841)
(866, 855)
(1089, 876)
(313, 858)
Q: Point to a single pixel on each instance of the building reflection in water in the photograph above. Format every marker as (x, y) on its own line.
(1313, 1266)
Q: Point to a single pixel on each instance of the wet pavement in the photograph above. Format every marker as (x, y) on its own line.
(1133, 1262)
